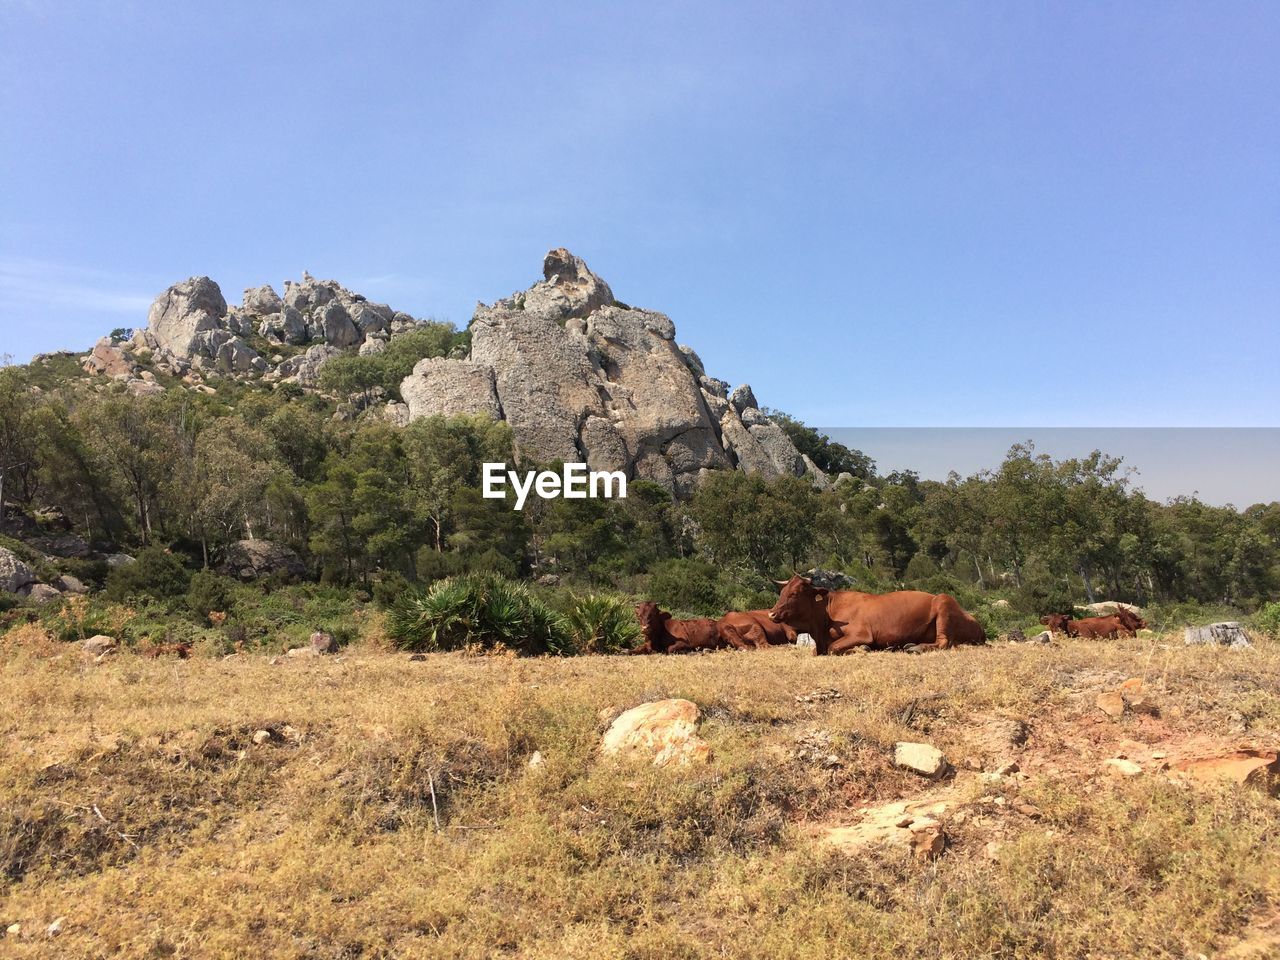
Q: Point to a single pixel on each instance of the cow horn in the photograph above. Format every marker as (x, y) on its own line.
(782, 583)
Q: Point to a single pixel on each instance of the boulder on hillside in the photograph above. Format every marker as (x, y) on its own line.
(183, 312)
(1104, 608)
(14, 574)
(441, 386)
(109, 360)
(252, 559)
(69, 584)
(41, 592)
(261, 301)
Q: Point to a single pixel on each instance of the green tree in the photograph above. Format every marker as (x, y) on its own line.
(745, 520)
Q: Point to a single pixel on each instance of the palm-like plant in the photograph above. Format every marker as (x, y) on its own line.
(483, 610)
(599, 623)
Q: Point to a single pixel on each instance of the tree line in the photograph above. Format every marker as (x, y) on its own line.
(366, 502)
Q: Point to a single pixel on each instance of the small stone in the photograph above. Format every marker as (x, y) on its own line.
(992, 850)
(98, 645)
(13, 929)
(929, 844)
(536, 760)
(922, 758)
(1007, 769)
(301, 652)
(56, 927)
(262, 736)
(1120, 767)
(920, 824)
(1111, 703)
(1029, 810)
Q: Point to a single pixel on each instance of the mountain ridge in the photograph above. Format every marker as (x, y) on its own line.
(576, 373)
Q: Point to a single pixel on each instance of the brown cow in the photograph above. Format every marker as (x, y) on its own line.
(662, 634)
(753, 630)
(1096, 628)
(1132, 622)
(840, 620)
(1056, 622)
(180, 650)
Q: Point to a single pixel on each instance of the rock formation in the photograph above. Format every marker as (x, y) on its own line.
(582, 377)
(190, 327)
(578, 375)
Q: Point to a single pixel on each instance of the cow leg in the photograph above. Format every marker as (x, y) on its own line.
(739, 638)
(757, 637)
(848, 641)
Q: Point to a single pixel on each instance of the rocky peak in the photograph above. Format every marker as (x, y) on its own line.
(190, 329)
(582, 377)
(568, 289)
(577, 375)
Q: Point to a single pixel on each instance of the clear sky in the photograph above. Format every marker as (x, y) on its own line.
(877, 214)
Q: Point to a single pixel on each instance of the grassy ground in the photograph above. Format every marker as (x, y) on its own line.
(393, 811)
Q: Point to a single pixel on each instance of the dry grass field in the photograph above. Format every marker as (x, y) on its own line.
(391, 809)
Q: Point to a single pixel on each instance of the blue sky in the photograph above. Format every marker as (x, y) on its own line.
(889, 214)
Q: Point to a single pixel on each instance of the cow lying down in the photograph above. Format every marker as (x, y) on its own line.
(1122, 623)
(842, 620)
(664, 634)
(745, 630)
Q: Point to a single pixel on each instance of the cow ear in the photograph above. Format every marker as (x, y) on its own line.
(664, 615)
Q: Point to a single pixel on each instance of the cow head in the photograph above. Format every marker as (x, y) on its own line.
(802, 607)
(1056, 622)
(1130, 619)
(653, 625)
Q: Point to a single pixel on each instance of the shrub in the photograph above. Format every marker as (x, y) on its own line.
(601, 623)
(690, 586)
(207, 593)
(477, 610)
(155, 573)
(388, 588)
(1268, 619)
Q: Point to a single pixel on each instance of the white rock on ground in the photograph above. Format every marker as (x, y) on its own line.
(664, 732)
(922, 758)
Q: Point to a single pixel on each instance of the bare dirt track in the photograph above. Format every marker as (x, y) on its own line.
(367, 805)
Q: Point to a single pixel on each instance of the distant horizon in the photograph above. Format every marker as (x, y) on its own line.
(1221, 466)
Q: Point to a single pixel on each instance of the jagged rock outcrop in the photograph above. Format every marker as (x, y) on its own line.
(581, 377)
(578, 375)
(190, 327)
(108, 359)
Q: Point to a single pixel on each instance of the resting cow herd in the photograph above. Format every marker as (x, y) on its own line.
(842, 620)
(1122, 623)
